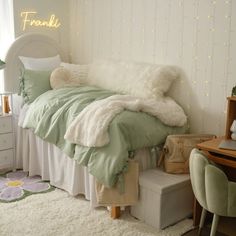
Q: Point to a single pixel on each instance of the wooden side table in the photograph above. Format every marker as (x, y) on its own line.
(225, 158)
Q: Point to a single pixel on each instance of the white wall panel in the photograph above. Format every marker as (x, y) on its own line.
(197, 35)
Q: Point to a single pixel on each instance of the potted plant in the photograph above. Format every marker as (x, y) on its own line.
(234, 91)
(2, 64)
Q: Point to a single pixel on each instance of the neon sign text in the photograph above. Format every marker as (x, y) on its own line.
(30, 20)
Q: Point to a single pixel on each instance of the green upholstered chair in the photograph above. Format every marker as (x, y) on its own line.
(212, 189)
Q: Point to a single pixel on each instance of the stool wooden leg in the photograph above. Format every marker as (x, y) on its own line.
(115, 212)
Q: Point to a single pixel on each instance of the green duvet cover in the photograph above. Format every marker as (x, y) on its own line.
(51, 113)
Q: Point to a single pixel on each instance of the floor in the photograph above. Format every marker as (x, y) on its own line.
(205, 232)
(227, 227)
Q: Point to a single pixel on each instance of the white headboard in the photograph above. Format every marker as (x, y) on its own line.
(29, 45)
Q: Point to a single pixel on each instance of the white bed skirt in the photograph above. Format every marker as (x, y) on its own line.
(42, 158)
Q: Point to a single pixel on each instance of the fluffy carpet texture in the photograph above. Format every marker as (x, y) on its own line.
(57, 213)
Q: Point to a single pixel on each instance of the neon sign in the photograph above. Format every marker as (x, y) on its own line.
(30, 20)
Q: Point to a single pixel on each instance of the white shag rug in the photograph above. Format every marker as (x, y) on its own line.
(58, 214)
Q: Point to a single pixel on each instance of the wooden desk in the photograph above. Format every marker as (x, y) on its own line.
(223, 157)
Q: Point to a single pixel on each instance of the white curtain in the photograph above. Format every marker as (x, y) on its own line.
(6, 31)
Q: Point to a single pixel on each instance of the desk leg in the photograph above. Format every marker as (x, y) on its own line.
(197, 210)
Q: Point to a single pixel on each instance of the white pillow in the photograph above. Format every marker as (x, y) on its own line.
(138, 79)
(62, 77)
(43, 64)
(78, 72)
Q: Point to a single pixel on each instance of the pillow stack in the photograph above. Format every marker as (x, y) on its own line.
(142, 80)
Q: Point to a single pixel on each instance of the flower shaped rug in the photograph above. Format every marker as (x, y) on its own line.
(18, 185)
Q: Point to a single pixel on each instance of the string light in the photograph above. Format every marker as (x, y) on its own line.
(200, 64)
(181, 53)
(155, 31)
(168, 30)
(226, 74)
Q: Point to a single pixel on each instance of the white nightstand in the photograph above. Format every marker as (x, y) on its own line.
(7, 137)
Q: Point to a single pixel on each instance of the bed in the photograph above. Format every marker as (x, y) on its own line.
(41, 157)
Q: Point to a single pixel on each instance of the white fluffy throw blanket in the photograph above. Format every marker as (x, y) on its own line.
(90, 127)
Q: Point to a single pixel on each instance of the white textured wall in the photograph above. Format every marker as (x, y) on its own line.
(197, 35)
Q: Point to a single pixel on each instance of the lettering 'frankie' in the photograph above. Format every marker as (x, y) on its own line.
(29, 20)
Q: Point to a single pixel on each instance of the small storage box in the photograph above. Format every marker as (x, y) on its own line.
(164, 198)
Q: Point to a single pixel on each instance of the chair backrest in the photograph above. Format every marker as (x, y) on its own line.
(197, 164)
(211, 186)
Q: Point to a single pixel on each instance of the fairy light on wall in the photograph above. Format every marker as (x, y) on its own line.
(91, 33)
(195, 43)
(168, 30)
(101, 41)
(129, 35)
(111, 27)
(181, 53)
(145, 16)
(228, 45)
(121, 10)
(154, 30)
(212, 30)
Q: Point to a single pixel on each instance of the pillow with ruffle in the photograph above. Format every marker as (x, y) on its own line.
(34, 83)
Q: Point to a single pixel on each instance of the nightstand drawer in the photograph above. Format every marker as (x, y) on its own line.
(6, 141)
(6, 158)
(5, 125)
